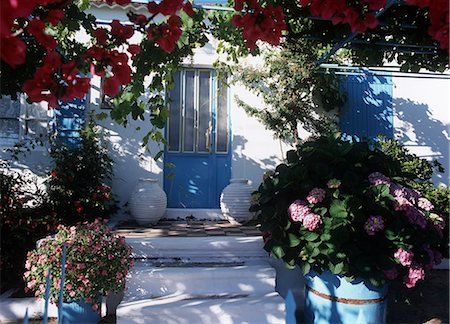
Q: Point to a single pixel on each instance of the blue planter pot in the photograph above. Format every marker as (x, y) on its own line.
(79, 312)
(331, 299)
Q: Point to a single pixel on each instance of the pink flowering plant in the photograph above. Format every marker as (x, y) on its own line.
(97, 263)
(346, 207)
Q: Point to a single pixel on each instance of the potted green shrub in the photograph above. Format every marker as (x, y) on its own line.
(97, 263)
(342, 211)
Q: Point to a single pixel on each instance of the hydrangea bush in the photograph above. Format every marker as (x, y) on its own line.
(345, 207)
(97, 263)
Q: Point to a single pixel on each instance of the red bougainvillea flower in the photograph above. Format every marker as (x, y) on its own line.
(166, 35)
(166, 7)
(338, 11)
(121, 32)
(187, 7)
(111, 86)
(259, 23)
(101, 59)
(12, 50)
(54, 16)
(55, 81)
(36, 27)
(140, 20)
(134, 49)
(100, 35)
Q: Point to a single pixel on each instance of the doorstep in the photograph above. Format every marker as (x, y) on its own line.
(187, 228)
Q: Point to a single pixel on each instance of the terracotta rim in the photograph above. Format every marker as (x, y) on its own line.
(346, 300)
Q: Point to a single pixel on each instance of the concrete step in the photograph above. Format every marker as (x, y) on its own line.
(198, 249)
(147, 281)
(222, 309)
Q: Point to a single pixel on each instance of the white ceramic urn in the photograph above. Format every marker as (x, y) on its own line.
(148, 202)
(235, 201)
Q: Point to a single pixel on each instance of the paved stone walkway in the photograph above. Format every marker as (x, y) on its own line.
(187, 228)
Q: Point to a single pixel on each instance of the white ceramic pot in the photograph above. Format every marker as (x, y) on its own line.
(235, 201)
(148, 202)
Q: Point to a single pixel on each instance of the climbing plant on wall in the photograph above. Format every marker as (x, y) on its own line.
(42, 56)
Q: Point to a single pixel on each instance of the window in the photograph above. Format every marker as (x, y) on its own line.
(198, 118)
(20, 120)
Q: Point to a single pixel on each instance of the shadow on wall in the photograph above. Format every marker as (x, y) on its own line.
(245, 167)
(131, 162)
(424, 135)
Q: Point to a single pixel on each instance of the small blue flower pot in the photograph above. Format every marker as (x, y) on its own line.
(329, 298)
(79, 312)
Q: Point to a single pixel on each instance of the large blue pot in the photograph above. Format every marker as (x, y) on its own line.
(79, 312)
(329, 298)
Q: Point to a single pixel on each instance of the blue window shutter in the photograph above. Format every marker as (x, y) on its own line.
(69, 121)
(368, 110)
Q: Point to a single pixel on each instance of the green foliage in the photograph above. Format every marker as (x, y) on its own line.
(76, 189)
(358, 184)
(401, 37)
(24, 216)
(294, 94)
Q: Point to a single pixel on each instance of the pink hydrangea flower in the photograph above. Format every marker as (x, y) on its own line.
(404, 257)
(312, 221)
(434, 256)
(401, 203)
(411, 195)
(391, 274)
(298, 210)
(374, 224)
(415, 216)
(316, 195)
(377, 178)
(425, 204)
(438, 222)
(415, 273)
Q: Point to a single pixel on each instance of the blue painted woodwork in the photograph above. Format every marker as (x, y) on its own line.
(291, 307)
(368, 110)
(68, 121)
(343, 307)
(79, 312)
(199, 173)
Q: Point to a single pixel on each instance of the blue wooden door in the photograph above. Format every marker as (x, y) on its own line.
(368, 110)
(197, 158)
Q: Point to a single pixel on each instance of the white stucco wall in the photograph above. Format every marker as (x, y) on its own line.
(422, 117)
(421, 108)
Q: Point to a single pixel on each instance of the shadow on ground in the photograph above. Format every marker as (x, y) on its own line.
(427, 302)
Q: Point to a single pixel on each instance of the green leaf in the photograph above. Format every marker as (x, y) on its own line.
(338, 268)
(158, 155)
(293, 240)
(290, 264)
(325, 237)
(306, 268)
(101, 116)
(278, 251)
(310, 236)
(338, 209)
(336, 194)
(390, 235)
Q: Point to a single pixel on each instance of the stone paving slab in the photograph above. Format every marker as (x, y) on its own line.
(187, 228)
